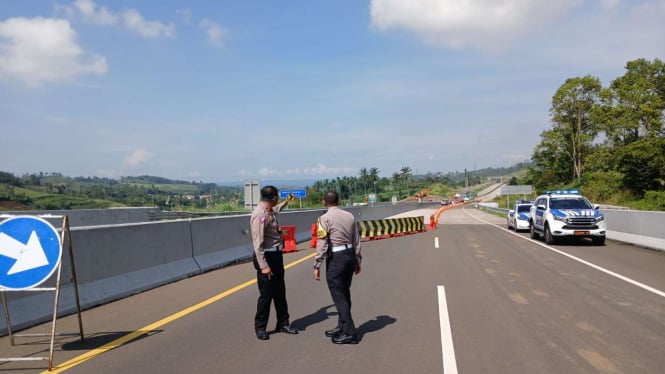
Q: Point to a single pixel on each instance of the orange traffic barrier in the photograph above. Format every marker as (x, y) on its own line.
(289, 236)
(433, 221)
(312, 244)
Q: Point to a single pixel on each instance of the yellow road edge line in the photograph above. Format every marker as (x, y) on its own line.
(155, 325)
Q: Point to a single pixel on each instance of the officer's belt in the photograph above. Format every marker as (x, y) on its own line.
(342, 247)
(273, 249)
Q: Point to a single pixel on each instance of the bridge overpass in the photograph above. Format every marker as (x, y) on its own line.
(467, 297)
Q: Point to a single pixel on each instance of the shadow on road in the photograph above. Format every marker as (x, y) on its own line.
(319, 316)
(374, 325)
(102, 339)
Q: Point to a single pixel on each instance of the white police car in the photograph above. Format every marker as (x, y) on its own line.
(518, 217)
(566, 213)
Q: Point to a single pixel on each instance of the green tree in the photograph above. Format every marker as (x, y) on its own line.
(643, 165)
(571, 107)
(551, 161)
(365, 178)
(632, 107)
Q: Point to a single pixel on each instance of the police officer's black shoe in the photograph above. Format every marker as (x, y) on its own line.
(261, 334)
(287, 329)
(344, 339)
(332, 332)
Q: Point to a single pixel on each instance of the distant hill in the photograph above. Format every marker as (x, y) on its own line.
(293, 184)
(454, 176)
(457, 176)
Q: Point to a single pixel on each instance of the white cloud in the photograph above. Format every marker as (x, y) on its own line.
(38, 50)
(134, 21)
(138, 157)
(488, 25)
(214, 32)
(130, 19)
(99, 16)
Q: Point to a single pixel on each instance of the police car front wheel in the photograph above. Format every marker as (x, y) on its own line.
(534, 234)
(549, 238)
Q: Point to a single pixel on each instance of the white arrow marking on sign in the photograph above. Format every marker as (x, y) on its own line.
(28, 256)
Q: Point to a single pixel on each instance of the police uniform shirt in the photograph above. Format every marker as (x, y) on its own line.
(265, 230)
(341, 227)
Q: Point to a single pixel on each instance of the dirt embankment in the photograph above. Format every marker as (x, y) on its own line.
(12, 205)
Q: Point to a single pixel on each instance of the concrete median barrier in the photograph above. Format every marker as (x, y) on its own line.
(111, 262)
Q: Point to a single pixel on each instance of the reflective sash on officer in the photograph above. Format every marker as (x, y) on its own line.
(321, 232)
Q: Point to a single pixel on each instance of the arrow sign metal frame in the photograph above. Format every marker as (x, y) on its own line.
(30, 252)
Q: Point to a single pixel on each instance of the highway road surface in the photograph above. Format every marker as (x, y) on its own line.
(467, 297)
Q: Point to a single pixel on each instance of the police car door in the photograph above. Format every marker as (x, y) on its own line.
(539, 219)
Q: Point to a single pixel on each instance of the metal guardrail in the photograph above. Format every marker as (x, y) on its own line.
(502, 211)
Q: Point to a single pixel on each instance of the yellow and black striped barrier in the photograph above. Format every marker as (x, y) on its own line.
(389, 227)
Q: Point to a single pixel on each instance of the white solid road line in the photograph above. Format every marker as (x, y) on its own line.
(447, 350)
(599, 268)
(436, 242)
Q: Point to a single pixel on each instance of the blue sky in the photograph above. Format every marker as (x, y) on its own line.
(221, 91)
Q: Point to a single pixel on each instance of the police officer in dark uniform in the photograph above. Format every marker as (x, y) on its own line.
(338, 243)
(269, 263)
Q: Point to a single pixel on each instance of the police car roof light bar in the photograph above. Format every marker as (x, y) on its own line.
(564, 192)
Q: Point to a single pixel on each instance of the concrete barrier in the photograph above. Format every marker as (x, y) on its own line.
(114, 261)
(111, 262)
(646, 229)
(95, 217)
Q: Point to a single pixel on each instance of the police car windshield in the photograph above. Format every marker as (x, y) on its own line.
(569, 203)
(523, 208)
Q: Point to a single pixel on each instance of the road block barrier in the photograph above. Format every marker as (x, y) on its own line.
(386, 228)
(433, 221)
(312, 244)
(289, 236)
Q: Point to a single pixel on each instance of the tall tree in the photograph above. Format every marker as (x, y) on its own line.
(364, 178)
(571, 107)
(551, 161)
(374, 177)
(632, 107)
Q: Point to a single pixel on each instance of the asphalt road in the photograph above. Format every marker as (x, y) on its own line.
(484, 300)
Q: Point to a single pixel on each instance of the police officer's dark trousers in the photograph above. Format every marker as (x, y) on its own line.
(340, 267)
(269, 290)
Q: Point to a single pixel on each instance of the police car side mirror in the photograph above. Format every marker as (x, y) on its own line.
(541, 207)
(596, 206)
(511, 212)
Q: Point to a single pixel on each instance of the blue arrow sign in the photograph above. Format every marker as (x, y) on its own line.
(30, 251)
(298, 194)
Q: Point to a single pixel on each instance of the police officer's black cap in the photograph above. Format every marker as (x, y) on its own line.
(269, 193)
